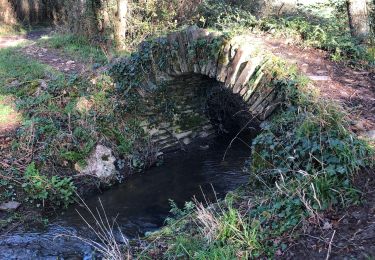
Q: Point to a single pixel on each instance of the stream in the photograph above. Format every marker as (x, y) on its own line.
(140, 204)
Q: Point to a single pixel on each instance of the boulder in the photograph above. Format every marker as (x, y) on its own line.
(370, 135)
(100, 164)
(11, 205)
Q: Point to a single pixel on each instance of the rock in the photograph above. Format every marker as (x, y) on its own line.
(359, 126)
(14, 83)
(203, 134)
(204, 147)
(101, 164)
(319, 78)
(246, 74)
(370, 134)
(304, 67)
(186, 141)
(242, 55)
(84, 105)
(182, 135)
(11, 205)
(43, 84)
(322, 72)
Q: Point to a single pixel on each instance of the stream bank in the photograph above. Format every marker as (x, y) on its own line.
(141, 204)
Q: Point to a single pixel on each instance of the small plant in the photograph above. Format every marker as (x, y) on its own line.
(54, 191)
(178, 213)
(107, 243)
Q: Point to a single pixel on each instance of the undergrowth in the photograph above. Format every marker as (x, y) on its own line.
(6, 29)
(324, 26)
(303, 162)
(62, 119)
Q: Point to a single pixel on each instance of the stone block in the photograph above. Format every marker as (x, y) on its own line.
(242, 55)
(251, 89)
(223, 61)
(246, 73)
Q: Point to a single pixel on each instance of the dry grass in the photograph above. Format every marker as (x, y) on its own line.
(207, 220)
(105, 243)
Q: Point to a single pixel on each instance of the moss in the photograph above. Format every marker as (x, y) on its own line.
(223, 57)
(189, 122)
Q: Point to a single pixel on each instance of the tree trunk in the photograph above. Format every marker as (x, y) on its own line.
(120, 28)
(358, 19)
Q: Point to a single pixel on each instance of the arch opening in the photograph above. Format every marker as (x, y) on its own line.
(190, 107)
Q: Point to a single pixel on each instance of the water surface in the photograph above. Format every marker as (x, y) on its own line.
(141, 203)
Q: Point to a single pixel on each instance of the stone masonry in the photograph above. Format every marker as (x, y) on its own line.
(237, 64)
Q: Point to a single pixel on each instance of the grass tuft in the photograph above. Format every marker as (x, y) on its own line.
(76, 46)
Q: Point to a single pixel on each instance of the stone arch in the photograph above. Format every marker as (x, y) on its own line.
(238, 64)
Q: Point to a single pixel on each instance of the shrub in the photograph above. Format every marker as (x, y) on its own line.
(54, 191)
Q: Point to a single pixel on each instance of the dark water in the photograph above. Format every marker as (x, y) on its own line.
(141, 204)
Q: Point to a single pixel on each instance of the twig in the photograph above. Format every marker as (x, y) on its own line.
(239, 132)
(330, 245)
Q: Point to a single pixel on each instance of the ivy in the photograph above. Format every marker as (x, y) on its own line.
(54, 191)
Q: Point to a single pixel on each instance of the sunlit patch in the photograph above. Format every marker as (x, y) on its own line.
(45, 37)
(9, 117)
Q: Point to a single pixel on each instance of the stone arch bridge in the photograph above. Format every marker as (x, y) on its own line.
(201, 77)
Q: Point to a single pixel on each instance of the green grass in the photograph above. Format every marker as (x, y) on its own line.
(14, 66)
(76, 46)
(12, 30)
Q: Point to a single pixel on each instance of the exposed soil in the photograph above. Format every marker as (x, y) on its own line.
(353, 88)
(55, 59)
(344, 233)
(52, 57)
(14, 40)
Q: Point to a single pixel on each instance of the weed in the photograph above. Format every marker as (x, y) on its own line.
(63, 119)
(54, 191)
(106, 244)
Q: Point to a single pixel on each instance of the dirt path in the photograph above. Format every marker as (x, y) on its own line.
(349, 232)
(14, 40)
(54, 59)
(353, 88)
(51, 57)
